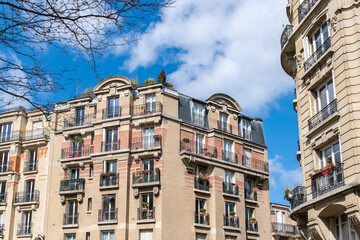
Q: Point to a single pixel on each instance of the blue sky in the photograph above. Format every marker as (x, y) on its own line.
(213, 46)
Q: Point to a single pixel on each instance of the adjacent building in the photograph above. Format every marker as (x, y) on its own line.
(320, 50)
(283, 227)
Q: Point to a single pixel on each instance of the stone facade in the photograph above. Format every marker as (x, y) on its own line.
(320, 50)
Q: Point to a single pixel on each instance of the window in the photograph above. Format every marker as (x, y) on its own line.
(5, 132)
(324, 95)
(344, 230)
(280, 221)
(249, 189)
(229, 207)
(107, 235)
(146, 234)
(37, 129)
(113, 108)
(109, 208)
(146, 206)
(318, 38)
(2, 191)
(76, 147)
(245, 129)
(29, 190)
(25, 227)
(111, 143)
(148, 139)
(1, 222)
(91, 171)
(198, 114)
(74, 173)
(228, 177)
(246, 157)
(330, 154)
(79, 118)
(110, 166)
(227, 153)
(200, 236)
(223, 119)
(87, 236)
(89, 205)
(150, 105)
(4, 161)
(32, 160)
(200, 214)
(71, 212)
(148, 168)
(70, 236)
(249, 213)
(199, 143)
(230, 238)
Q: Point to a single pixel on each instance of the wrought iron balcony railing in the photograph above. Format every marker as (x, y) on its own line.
(24, 229)
(3, 197)
(230, 188)
(72, 185)
(223, 126)
(148, 108)
(322, 184)
(34, 134)
(109, 179)
(285, 35)
(231, 221)
(82, 151)
(201, 184)
(251, 226)
(6, 167)
(305, 8)
(229, 156)
(110, 146)
(70, 219)
(107, 215)
(79, 121)
(250, 195)
(111, 113)
(198, 119)
(202, 218)
(146, 214)
(11, 136)
(317, 54)
(299, 196)
(30, 166)
(1, 229)
(255, 164)
(284, 228)
(146, 176)
(198, 148)
(23, 197)
(147, 142)
(324, 113)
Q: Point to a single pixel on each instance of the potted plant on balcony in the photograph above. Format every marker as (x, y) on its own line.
(142, 110)
(202, 211)
(300, 196)
(232, 214)
(288, 195)
(145, 206)
(327, 169)
(252, 220)
(147, 171)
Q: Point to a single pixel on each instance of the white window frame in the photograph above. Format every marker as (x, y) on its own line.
(245, 126)
(310, 42)
(317, 94)
(322, 156)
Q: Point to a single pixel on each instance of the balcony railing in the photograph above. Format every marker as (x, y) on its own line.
(324, 113)
(1, 229)
(12, 136)
(202, 218)
(146, 214)
(285, 35)
(148, 108)
(23, 197)
(75, 121)
(111, 113)
(299, 196)
(34, 134)
(255, 164)
(198, 119)
(250, 195)
(3, 197)
(146, 176)
(72, 185)
(322, 184)
(229, 156)
(90, 94)
(230, 188)
(30, 166)
(110, 146)
(110, 179)
(223, 126)
(284, 228)
(317, 54)
(70, 219)
(24, 229)
(198, 148)
(201, 184)
(146, 142)
(107, 215)
(251, 226)
(6, 167)
(83, 150)
(231, 221)
(305, 8)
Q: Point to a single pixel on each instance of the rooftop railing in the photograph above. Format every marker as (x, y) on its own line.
(79, 121)
(323, 183)
(146, 176)
(107, 215)
(202, 218)
(148, 108)
(285, 35)
(23, 197)
(83, 150)
(146, 214)
(201, 184)
(111, 113)
(317, 54)
(229, 156)
(305, 8)
(230, 188)
(231, 221)
(198, 148)
(284, 228)
(146, 142)
(110, 146)
(324, 113)
(223, 126)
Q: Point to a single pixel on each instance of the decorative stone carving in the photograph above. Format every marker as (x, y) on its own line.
(64, 167)
(34, 207)
(213, 109)
(355, 223)
(62, 199)
(18, 208)
(82, 165)
(136, 192)
(79, 197)
(189, 163)
(127, 93)
(314, 234)
(156, 190)
(235, 117)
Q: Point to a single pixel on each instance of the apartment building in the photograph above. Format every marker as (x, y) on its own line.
(283, 227)
(320, 50)
(147, 162)
(24, 159)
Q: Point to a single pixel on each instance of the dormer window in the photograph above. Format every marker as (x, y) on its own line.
(245, 129)
(223, 122)
(198, 114)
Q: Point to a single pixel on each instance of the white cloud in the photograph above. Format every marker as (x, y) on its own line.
(220, 46)
(281, 177)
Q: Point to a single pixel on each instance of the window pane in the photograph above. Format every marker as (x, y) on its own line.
(337, 153)
(330, 88)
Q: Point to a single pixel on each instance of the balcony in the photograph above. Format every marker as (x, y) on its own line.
(305, 8)
(290, 230)
(324, 113)
(147, 142)
(109, 180)
(250, 195)
(317, 54)
(70, 220)
(251, 226)
(1, 229)
(322, 184)
(201, 184)
(230, 189)
(202, 219)
(110, 146)
(107, 216)
(255, 164)
(72, 186)
(198, 119)
(146, 109)
(3, 198)
(12, 136)
(84, 150)
(198, 148)
(77, 122)
(27, 197)
(24, 229)
(6, 167)
(231, 221)
(30, 166)
(146, 178)
(146, 214)
(111, 113)
(34, 134)
(229, 156)
(298, 196)
(222, 126)
(285, 35)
